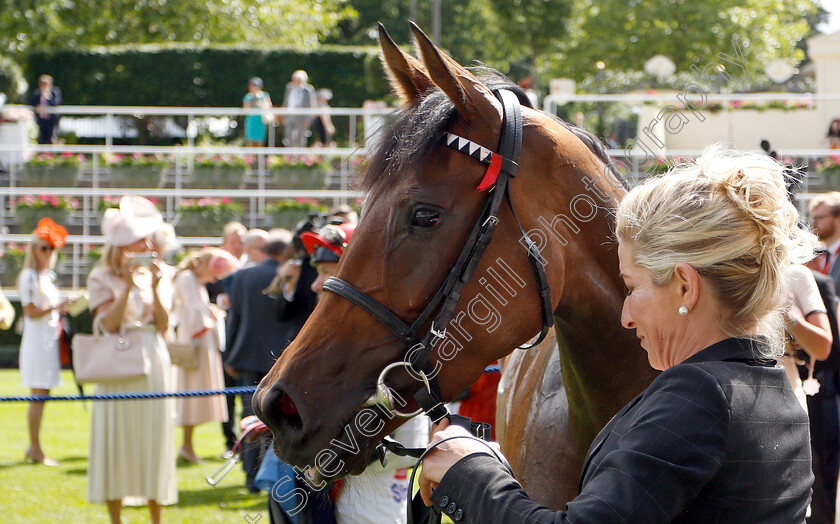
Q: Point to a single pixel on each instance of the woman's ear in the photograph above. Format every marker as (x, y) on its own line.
(686, 282)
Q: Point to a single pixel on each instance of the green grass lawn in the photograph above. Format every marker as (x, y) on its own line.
(38, 494)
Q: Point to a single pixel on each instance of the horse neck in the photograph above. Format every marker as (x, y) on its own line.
(603, 365)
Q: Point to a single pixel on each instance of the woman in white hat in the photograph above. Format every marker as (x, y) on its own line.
(132, 452)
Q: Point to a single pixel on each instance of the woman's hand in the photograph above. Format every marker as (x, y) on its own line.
(443, 457)
(66, 303)
(127, 270)
(128, 276)
(289, 274)
(157, 273)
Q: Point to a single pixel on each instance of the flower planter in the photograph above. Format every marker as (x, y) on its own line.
(138, 176)
(28, 217)
(314, 177)
(223, 177)
(288, 218)
(831, 180)
(51, 176)
(10, 268)
(204, 223)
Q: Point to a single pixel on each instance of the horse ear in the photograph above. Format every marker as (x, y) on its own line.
(472, 99)
(408, 76)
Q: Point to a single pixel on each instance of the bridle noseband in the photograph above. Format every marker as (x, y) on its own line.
(502, 166)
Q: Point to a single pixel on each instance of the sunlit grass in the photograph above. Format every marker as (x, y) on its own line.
(38, 494)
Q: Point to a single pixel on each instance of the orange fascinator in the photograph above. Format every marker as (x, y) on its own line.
(51, 233)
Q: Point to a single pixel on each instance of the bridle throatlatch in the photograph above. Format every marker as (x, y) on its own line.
(502, 166)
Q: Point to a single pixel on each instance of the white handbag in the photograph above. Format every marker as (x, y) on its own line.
(100, 358)
(183, 355)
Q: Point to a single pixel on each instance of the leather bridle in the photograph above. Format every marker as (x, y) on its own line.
(502, 166)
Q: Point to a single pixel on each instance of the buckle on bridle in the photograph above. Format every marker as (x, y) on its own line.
(383, 396)
(438, 334)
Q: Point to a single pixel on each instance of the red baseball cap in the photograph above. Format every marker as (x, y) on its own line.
(331, 237)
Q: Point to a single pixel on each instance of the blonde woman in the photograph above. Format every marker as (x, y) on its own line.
(718, 436)
(132, 454)
(197, 323)
(39, 359)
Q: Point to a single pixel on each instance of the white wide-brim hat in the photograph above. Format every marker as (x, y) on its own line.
(136, 219)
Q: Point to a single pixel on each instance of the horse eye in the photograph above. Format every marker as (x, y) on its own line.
(425, 218)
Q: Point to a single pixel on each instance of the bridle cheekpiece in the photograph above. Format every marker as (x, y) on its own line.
(502, 166)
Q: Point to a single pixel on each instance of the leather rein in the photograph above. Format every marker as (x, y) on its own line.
(502, 166)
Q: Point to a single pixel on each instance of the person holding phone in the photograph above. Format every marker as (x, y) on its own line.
(132, 448)
(40, 365)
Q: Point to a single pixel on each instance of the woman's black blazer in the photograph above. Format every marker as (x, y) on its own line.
(719, 438)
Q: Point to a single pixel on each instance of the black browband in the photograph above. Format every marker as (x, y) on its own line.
(446, 299)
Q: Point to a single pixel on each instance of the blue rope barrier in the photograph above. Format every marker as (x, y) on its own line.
(125, 396)
(129, 396)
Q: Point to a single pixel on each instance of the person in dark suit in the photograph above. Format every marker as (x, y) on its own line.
(823, 414)
(825, 221)
(233, 235)
(47, 95)
(255, 334)
(719, 435)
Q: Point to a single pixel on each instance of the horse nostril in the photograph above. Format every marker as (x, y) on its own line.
(281, 410)
(287, 405)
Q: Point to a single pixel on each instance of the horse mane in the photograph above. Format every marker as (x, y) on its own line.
(414, 133)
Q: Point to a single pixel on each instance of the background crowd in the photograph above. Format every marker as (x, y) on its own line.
(238, 305)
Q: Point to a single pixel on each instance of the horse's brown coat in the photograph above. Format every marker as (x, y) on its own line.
(557, 398)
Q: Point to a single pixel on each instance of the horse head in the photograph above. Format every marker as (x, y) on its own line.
(422, 205)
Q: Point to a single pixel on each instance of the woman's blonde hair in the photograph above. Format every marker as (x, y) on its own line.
(727, 214)
(111, 257)
(196, 259)
(29, 261)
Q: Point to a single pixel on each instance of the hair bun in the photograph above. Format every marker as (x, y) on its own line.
(755, 183)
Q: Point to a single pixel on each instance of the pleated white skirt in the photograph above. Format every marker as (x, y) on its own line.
(132, 449)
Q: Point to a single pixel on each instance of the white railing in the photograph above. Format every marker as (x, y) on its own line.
(113, 118)
(633, 165)
(182, 162)
(551, 101)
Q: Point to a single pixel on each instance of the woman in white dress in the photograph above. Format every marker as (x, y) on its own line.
(39, 359)
(132, 452)
(197, 324)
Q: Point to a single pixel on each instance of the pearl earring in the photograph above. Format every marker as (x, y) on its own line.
(683, 310)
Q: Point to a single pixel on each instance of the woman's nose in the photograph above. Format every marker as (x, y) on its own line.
(626, 319)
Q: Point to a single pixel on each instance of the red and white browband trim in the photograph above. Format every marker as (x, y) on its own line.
(493, 161)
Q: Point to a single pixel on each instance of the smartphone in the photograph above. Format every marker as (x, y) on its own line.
(142, 259)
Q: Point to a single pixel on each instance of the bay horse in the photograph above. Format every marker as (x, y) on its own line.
(421, 205)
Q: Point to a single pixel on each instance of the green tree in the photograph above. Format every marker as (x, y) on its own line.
(12, 83)
(532, 28)
(624, 34)
(57, 24)
(510, 36)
